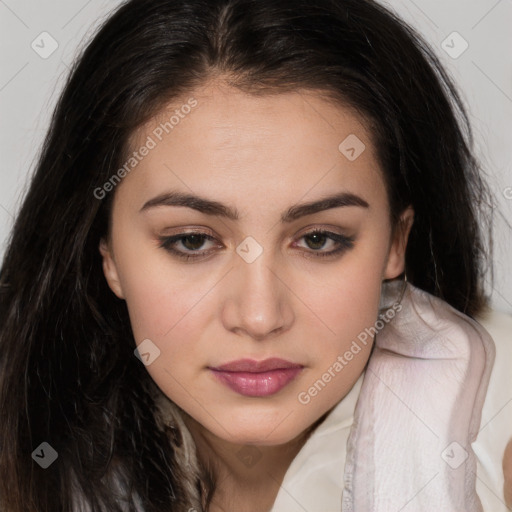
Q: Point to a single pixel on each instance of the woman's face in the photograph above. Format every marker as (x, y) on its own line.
(252, 175)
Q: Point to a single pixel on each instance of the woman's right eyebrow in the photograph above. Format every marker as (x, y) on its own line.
(211, 207)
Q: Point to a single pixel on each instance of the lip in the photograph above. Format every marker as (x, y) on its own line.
(257, 378)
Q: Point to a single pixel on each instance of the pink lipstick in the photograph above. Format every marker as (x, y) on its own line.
(257, 378)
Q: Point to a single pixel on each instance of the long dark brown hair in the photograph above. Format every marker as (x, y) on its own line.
(68, 376)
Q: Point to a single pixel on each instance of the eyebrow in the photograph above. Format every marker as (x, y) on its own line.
(210, 207)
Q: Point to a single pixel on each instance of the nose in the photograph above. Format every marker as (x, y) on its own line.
(258, 304)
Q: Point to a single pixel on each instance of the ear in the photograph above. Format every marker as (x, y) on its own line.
(396, 256)
(110, 269)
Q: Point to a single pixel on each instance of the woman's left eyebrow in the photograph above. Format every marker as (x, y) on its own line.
(332, 201)
(210, 207)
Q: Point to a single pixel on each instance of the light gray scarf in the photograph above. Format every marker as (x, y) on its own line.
(418, 411)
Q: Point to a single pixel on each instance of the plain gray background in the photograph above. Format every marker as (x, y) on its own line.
(30, 84)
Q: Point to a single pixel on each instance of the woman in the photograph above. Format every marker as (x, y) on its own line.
(229, 194)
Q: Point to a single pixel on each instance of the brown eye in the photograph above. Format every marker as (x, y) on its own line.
(187, 245)
(193, 242)
(317, 239)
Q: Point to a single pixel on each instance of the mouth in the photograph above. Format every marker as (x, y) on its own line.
(257, 378)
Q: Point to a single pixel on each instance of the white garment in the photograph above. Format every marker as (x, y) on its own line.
(314, 480)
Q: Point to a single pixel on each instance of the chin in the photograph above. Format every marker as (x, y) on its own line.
(260, 438)
(261, 433)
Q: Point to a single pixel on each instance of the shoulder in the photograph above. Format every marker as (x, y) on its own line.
(496, 423)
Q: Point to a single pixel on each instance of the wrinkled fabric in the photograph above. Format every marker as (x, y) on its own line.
(418, 411)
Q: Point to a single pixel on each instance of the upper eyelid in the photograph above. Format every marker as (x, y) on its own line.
(202, 230)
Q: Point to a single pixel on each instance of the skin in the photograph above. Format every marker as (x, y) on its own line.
(260, 155)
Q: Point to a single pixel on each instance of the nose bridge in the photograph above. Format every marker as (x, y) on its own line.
(258, 303)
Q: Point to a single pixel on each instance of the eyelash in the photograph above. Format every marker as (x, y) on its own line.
(344, 243)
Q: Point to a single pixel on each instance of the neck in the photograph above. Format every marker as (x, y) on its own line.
(247, 477)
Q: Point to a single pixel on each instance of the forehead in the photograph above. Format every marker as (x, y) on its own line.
(221, 140)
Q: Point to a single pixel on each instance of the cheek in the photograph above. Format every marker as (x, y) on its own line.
(345, 303)
(170, 309)
(349, 308)
(348, 298)
(157, 307)
(160, 293)
(173, 310)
